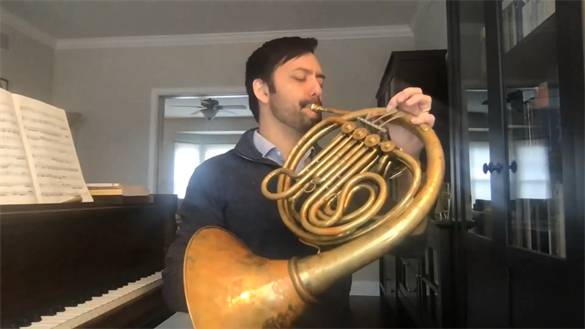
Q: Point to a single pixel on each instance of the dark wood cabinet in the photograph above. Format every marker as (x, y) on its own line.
(426, 70)
(509, 249)
(418, 291)
(517, 98)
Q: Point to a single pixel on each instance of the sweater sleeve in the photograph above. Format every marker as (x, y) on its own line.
(202, 206)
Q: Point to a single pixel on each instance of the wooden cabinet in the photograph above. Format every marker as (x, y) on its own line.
(418, 291)
(517, 96)
(510, 250)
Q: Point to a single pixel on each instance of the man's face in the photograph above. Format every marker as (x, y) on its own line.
(297, 84)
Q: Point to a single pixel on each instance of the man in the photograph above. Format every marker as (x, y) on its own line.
(283, 77)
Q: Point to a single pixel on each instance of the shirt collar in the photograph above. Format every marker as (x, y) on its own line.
(269, 150)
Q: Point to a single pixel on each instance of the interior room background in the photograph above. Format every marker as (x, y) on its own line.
(111, 85)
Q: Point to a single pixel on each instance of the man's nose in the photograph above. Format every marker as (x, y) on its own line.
(315, 89)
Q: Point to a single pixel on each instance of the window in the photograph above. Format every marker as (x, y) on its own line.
(187, 157)
(531, 180)
(479, 153)
(532, 177)
(212, 150)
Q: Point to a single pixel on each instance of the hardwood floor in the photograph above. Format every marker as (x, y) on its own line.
(368, 312)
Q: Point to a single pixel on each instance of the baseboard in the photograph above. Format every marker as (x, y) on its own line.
(365, 288)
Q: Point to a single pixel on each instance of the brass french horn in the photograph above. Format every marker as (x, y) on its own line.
(226, 286)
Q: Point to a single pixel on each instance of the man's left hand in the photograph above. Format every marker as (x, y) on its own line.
(413, 101)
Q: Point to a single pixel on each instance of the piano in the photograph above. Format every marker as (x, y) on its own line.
(85, 265)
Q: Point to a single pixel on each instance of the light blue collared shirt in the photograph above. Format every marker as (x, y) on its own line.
(270, 151)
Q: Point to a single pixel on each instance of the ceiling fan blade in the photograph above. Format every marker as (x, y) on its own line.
(232, 107)
(227, 111)
(197, 106)
(199, 111)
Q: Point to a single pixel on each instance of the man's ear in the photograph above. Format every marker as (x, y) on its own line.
(261, 91)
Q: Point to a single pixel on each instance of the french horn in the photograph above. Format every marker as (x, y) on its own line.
(227, 286)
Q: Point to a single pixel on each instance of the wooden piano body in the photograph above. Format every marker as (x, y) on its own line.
(90, 265)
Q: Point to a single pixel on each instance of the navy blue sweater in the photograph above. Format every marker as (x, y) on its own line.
(225, 191)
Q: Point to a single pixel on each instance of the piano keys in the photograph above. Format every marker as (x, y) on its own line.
(82, 314)
(90, 265)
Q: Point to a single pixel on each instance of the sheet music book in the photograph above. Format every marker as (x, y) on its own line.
(38, 160)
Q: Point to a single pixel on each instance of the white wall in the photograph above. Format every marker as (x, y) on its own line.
(112, 88)
(27, 65)
(430, 25)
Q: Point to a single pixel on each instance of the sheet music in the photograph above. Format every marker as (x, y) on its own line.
(16, 183)
(52, 151)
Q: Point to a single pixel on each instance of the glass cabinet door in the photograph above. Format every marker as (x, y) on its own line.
(474, 111)
(532, 126)
(519, 168)
(476, 190)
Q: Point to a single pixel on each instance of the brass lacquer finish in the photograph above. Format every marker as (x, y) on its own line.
(227, 286)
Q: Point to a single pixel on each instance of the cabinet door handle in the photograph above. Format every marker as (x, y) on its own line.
(513, 167)
(498, 167)
(492, 167)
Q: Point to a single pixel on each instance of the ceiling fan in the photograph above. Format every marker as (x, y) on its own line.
(209, 108)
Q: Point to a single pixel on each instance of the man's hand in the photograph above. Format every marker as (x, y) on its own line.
(413, 101)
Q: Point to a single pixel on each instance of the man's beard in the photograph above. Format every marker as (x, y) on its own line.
(294, 117)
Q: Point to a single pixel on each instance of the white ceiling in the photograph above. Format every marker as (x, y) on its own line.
(64, 19)
(183, 107)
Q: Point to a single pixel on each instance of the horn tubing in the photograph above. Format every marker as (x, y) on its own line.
(286, 173)
(317, 199)
(316, 273)
(228, 286)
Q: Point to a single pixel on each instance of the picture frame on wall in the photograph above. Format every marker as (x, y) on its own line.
(4, 84)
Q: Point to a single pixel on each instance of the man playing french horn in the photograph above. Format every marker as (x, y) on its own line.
(284, 82)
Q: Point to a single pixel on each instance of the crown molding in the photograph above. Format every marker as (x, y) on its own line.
(235, 38)
(19, 24)
(26, 28)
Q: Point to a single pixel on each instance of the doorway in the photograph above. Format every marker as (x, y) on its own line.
(191, 127)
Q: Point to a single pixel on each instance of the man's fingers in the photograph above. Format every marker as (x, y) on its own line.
(416, 104)
(424, 117)
(419, 102)
(406, 96)
(395, 100)
(408, 93)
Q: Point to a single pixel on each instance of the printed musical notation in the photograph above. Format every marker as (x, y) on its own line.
(53, 153)
(38, 160)
(16, 183)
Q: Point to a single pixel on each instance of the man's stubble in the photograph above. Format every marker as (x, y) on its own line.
(292, 115)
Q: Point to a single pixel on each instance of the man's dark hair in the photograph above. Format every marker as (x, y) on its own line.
(264, 61)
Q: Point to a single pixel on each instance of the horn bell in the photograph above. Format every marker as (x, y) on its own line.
(227, 286)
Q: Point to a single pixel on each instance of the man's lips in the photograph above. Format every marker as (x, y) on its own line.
(309, 112)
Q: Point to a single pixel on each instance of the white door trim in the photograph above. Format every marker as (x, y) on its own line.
(156, 124)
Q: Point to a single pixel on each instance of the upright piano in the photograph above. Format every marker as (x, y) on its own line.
(89, 265)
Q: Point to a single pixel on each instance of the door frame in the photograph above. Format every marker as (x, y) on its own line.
(157, 97)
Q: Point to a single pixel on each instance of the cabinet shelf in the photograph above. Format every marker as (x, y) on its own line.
(529, 62)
